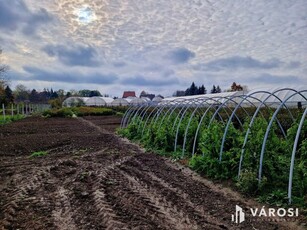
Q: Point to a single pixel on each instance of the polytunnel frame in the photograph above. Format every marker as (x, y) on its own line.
(131, 111)
(154, 116)
(269, 128)
(216, 112)
(160, 108)
(298, 132)
(204, 100)
(229, 119)
(143, 106)
(283, 104)
(179, 123)
(172, 109)
(246, 97)
(125, 117)
(192, 115)
(143, 113)
(254, 117)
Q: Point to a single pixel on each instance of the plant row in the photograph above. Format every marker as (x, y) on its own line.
(159, 134)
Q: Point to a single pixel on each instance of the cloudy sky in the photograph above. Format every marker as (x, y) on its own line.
(153, 45)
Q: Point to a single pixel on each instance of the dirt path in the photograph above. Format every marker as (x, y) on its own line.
(92, 179)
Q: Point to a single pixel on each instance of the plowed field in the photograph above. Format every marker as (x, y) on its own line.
(92, 179)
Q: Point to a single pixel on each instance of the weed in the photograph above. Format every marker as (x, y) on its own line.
(38, 154)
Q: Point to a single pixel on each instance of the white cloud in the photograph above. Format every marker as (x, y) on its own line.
(133, 37)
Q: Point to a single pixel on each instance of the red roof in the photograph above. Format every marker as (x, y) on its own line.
(129, 94)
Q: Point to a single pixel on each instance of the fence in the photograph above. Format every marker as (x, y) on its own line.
(24, 109)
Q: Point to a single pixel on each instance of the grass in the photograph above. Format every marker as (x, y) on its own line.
(10, 118)
(38, 154)
(79, 111)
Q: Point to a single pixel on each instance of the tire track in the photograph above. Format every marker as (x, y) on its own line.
(173, 195)
(62, 213)
(174, 217)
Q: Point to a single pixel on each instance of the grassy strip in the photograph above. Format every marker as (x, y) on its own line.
(10, 118)
(79, 111)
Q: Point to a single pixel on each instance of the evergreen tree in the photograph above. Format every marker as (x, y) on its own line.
(9, 97)
(193, 89)
(213, 90)
(218, 89)
(202, 90)
(34, 97)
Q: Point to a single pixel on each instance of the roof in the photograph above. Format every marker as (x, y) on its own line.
(120, 102)
(129, 94)
(212, 95)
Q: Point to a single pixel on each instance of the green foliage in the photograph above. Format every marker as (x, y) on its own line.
(78, 111)
(248, 182)
(38, 154)
(10, 118)
(160, 136)
(63, 112)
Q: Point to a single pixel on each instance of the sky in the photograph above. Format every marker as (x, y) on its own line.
(153, 45)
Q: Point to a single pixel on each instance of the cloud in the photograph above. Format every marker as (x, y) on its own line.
(275, 79)
(74, 55)
(144, 81)
(14, 14)
(119, 64)
(180, 55)
(238, 62)
(294, 65)
(67, 77)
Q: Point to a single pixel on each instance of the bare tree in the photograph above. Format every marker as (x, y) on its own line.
(3, 70)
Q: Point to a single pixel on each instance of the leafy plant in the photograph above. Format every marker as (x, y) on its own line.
(38, 154)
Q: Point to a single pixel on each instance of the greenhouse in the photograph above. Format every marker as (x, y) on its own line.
(157, 100)
(75, 101)
(99, 101)
(259, 137)
(119, 102)
(138, 101)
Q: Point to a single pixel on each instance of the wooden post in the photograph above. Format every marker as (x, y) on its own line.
(12, 110)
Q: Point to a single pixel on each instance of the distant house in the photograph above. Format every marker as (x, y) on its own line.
(129, 94)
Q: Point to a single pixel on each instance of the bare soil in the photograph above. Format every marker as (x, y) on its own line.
(92, 179)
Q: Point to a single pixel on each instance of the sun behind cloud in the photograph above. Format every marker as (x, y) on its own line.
(85, 15)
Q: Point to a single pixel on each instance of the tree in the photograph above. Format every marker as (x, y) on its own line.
(95, 93)
(218, 89)
(34, 97)
(3, 81)
(3, 69)
(236, 87)
(9, 97)
(202, 90)
(84, 93)
(21, 93)
(192, 90)
(213, 90)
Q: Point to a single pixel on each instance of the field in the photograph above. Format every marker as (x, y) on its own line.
(75, 173)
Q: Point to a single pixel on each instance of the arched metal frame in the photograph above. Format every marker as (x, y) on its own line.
(205, 99)
(269, 128)
(253, 119)
(293, 155)
(162, 113)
